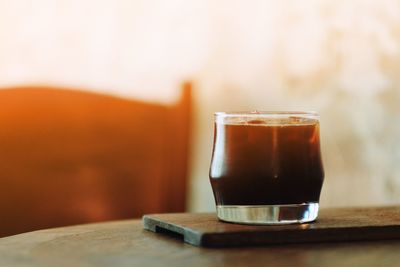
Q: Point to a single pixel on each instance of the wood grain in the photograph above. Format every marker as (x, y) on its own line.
(345, 224)
(125, 243)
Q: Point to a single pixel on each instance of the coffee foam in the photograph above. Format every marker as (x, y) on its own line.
(271, 121)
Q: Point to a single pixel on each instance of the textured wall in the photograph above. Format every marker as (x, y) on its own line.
(341, 58)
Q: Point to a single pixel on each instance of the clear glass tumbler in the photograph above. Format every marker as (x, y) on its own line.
(266, 167)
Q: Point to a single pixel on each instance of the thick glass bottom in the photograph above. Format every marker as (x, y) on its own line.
(268, 214)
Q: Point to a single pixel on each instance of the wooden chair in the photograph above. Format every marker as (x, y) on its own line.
(71, 157)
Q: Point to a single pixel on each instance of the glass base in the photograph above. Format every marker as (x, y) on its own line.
(268, 214)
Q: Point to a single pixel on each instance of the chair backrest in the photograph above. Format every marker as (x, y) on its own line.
(70, 157)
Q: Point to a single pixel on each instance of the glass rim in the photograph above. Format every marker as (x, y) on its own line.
(257, 113)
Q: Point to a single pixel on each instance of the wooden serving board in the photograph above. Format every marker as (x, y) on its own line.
(341, 224)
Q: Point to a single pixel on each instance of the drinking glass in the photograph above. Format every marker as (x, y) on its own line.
(266, 167)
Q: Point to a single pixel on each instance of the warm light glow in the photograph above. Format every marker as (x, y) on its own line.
(341, 58)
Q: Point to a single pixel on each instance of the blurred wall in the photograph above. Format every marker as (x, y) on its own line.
(341, 58)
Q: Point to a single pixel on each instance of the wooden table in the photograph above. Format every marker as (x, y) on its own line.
(125, 243)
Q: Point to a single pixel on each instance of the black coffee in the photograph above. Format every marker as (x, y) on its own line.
(267, 162)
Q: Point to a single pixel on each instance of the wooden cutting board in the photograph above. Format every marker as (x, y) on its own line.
(344, 224)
